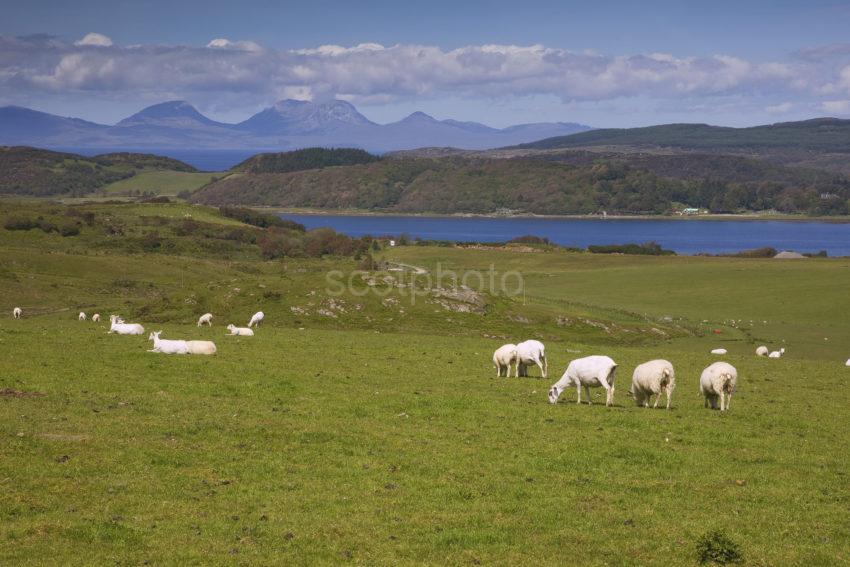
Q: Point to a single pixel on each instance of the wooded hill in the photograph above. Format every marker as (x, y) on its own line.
(36, 172)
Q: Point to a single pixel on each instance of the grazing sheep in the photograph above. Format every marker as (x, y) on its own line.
(718, 381)
(81, 316)
(205, 318)
(96, 317)
(590, 371)
(504, 356)
(718, 351)
(201, 347)
(240, 331)
(653, 378)
(777, 353)
(847, 363)
(166, 346)
(117, 325)
(17, 313)
(528, 353)
(761, 351)
(256, 319)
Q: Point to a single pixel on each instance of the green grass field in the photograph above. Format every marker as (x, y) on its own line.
(379, 434)
(159, 183)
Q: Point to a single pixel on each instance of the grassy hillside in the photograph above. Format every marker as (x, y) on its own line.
(547, 186)
(827, 135)
(40, 173)
(370, 429)
(309, 158)
(159, 183)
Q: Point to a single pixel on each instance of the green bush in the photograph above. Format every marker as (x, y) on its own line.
(717, 547)
(647, 249)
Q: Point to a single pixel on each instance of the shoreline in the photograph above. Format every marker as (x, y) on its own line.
(529, 216)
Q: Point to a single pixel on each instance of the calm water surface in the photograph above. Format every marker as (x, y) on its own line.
(683, 236)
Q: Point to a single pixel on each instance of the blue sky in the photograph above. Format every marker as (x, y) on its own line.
(600, 63)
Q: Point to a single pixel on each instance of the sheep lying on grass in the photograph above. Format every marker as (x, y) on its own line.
(240, 331)
(528, 353)
(718, 351)
(652, 379)
(81, 316)
(256, 319)
(117, 325)
(504, 356)
(590, 371)
(201, 347)
(17, 313)
(718, 381)
(777, 353)
(761, 351)
(96, 318)
(166, 346)
(206, 318)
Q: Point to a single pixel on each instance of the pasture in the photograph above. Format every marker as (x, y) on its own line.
(379, 434)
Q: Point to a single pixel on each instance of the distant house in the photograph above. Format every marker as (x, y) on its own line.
(690, 211)
(828, 196)
(392, 242)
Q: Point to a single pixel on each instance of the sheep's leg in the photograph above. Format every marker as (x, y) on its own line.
(669, 395)
(729, 400)
(545, 367)
(722, 400)
(589, 399)
(609, 391)
(542, 368)
(657, 399)
(578, 393)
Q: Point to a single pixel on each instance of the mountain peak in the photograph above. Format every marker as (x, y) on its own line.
(419, 116)
(176, 113)
(288, 117)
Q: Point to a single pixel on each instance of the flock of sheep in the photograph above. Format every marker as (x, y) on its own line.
(168, 346)
(717, 382)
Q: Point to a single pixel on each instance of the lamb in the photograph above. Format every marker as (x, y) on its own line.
(166, 346)
(718, 381)
(96, 317)
(205, 318)
(17, 313)
(761, 351)
(201, 347)
(777, 353)
(240, 331)
(590, 371)
(504, 356)
(81, 316)
(256, 319)
(653, 377)
(117, 325)
(718, 351)
(528, 353)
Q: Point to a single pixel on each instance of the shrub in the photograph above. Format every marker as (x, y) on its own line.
(69, 230)
(528, 239)
(256, 218)
(716, 547)
(17, 223)
(821, 254)
(765, 252)
(647, 248)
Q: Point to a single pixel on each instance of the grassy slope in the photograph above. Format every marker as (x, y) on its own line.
(338, 443)
(160, 182)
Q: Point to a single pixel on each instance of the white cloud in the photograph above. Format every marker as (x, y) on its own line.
(224, 43)
(371, 73)
(95, 39)
(836, 106)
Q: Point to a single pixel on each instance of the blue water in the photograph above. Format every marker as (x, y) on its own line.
(683, 236)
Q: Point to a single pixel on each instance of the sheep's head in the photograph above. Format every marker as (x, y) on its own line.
(554, 394)
(154, 335)
(231, 327)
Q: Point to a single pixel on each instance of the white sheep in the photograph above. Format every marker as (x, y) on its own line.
(201, 347)
(17, 313)
(718, 381)
(256, 319)
(528, 353)
(205, 318)
(761, 351)
(590, 371)
(81, 316)
(847, 363)
(166, 346)
(240, 331)
(117, 325)
(718, 351)
(655, 377)
(777, 353)
(504, 356)
(96, 317)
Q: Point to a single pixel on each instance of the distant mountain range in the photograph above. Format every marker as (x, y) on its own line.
(288, 125)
